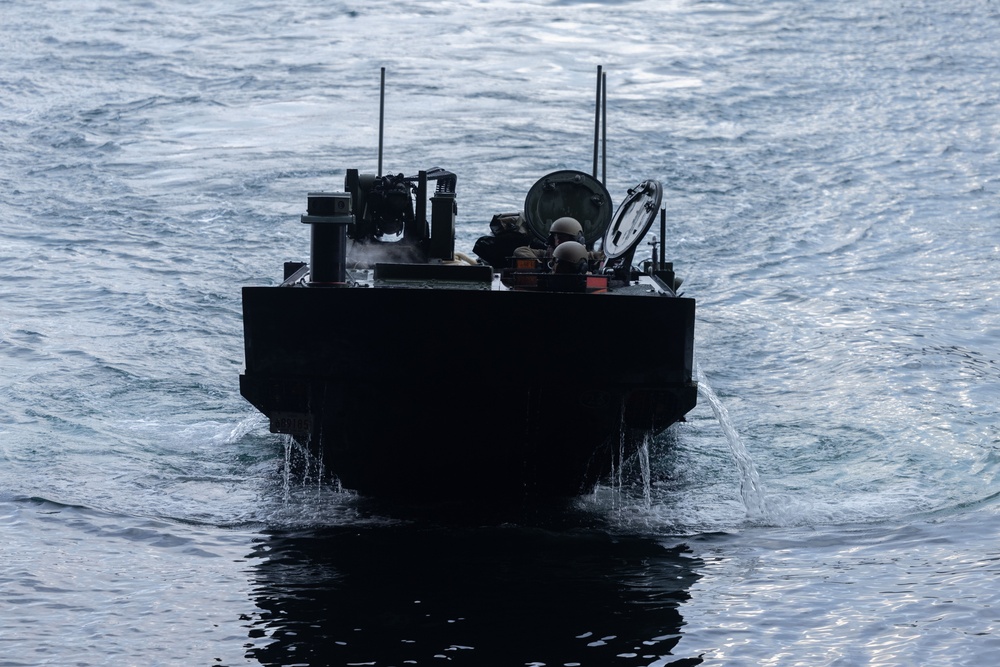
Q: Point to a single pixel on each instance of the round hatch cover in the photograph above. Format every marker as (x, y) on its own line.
(568, 193)
(633, 219)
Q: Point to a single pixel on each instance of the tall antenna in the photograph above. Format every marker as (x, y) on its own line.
(597, 118)
(381, 119)
(604, 128)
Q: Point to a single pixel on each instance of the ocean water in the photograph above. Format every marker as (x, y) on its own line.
(832, 185)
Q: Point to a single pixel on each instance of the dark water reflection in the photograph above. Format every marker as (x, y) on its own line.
(506, 594)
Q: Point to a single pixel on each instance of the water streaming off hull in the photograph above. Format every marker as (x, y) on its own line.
(750, 485)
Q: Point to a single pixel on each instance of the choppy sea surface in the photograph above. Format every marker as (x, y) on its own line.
(832, 181)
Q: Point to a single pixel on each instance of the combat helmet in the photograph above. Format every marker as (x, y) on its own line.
(568, 226)
(570, 257)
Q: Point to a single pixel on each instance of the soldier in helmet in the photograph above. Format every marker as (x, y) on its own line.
(570, 257)
(562, 230)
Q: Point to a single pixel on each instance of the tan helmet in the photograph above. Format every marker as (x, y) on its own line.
(570, 257)
(568, 226)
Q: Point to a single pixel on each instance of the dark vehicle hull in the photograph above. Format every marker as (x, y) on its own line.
(460, 393)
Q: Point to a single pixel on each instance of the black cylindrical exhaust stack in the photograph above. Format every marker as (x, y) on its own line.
(329, 214)
(442, 245)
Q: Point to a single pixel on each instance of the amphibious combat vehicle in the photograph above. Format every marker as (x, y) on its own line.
(408, 368)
